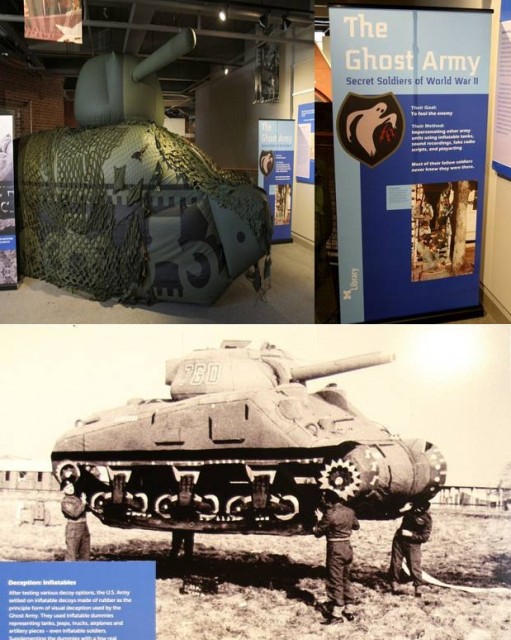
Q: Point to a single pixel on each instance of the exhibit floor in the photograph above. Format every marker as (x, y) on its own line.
(290, 300)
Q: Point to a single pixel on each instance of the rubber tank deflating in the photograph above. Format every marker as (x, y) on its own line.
(242, 446)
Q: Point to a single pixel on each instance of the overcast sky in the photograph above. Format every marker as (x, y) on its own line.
(449, 384)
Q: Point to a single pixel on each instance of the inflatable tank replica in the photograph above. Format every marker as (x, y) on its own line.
(243, 447)
(123, 208)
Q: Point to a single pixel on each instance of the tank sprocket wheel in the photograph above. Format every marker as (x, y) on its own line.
(341, 476)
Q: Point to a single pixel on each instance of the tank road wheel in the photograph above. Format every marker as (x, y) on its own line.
(67, 470)
(236, 506)
(98, 501)
(341, 476)
(164, 504)
(213, 502)
(140, 502)
(290, 502)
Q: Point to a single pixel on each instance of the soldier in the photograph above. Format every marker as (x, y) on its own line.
(336, 521)
(77, 531)
(415, 529)
(182, 538)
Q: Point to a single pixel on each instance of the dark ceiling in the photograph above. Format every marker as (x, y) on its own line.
(139, 28)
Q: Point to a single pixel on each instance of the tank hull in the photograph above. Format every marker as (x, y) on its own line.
(242, 462)
(135, 212)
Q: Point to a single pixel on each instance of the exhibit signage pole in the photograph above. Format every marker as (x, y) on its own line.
(410, 103)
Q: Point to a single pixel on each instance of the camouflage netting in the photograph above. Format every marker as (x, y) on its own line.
(133, 211)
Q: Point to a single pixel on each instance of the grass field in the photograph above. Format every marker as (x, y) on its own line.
(267, 584)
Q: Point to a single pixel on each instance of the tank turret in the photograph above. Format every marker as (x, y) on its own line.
(246, 447)
(113, 88)
(235, 367)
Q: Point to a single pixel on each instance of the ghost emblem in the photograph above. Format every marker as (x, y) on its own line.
(266, 162)
(370, 128)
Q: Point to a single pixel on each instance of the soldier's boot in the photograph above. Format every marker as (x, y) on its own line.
(348, 612)
(332, 613)
(395, 588)
(418, 591)
(336, 616)
(325, 608)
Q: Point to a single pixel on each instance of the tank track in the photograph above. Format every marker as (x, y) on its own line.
(226, 495)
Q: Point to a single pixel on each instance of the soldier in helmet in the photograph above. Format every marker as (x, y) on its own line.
(77, 531)
(415, 529)
(336, 521)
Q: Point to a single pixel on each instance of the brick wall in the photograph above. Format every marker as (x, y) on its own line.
(22, 86)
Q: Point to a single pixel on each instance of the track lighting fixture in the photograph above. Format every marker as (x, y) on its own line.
(286, 22)
(222, 14)
(264, 19)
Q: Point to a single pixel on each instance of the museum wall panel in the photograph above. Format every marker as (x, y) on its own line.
(496, 271)
(227, 119)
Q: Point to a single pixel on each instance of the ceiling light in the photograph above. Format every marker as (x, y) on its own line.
(222, 14)
(264, 19)
(226, 70)
(286, 23)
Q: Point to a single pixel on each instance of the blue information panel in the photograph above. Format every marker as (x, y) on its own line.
(276, 160)
(305, 144)
(77, 601)
(8, 261)
(410, 109)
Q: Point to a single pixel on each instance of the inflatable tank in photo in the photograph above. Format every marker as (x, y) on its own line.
(243, 446)
(122, 208)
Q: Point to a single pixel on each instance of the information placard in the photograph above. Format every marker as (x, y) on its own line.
(8, 260)
(305, 144)
(77, 600)
(502, 132)
(410, 90)
(276, 160)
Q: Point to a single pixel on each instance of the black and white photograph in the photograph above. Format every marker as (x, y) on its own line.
(309, 480)
(267, 73)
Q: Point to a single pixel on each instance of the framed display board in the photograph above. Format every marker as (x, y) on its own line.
(275, 174)
(410, 104)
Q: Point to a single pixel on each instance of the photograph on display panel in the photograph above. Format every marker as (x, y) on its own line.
(444, 221)
(272, 433)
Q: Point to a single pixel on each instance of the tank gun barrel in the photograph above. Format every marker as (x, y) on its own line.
(332, 367)
(178, 46)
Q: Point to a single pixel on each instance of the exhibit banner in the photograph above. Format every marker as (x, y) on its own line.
(52, 20)
(276, 159)
(410, 104)
(8, 260)
(305, 143)
(267, 72)
(502, 130)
